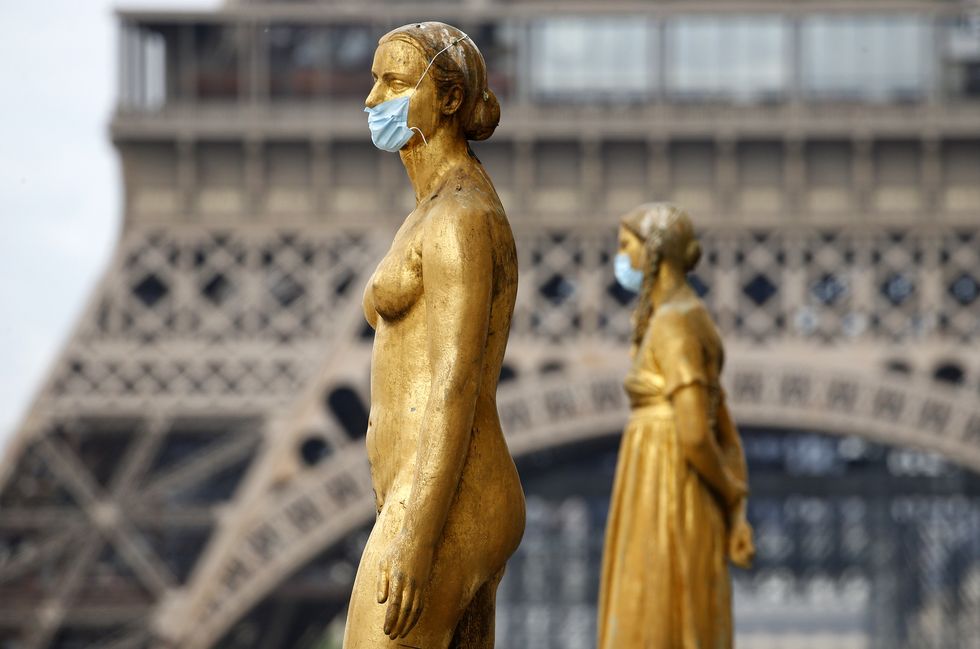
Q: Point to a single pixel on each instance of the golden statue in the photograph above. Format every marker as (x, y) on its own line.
(449, 500)
(678, 504)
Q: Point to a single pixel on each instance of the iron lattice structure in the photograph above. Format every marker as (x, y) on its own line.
(192, 472)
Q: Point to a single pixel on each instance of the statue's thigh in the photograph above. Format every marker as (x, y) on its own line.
(475, 629)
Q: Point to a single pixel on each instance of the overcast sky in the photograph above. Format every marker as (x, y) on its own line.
(59, 179)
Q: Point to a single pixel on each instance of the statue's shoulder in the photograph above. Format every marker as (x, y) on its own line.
(678, 320)
(459, 212)
(454, 234)
(679, 313)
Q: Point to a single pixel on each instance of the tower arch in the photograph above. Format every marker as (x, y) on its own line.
(546, 412)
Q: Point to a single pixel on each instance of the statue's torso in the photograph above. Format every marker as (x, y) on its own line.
(401, 372)
(647, 382)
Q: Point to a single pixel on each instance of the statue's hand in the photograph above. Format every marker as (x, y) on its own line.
(402, 577)
(741, 549)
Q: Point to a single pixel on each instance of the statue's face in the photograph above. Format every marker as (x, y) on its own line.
(632, 245)
(397, 68)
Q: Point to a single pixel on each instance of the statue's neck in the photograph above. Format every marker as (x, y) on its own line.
(670, 280)
(428, 163)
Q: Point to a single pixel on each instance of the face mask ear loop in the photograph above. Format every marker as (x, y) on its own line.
(425, 72)
(433, 60)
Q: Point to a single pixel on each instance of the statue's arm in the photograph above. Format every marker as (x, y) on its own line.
(700, 447)
(457, 276)
(680, 356)
(731, 443)
(741, 548)
(457, 273)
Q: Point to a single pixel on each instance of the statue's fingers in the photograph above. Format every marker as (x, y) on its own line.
(382, 582)
(394, 604)
(416, 612)
(405, 611)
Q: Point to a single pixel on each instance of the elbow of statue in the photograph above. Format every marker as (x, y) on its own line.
(692, 441)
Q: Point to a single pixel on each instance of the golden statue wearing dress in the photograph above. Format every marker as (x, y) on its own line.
(449, 501)
(677, 514)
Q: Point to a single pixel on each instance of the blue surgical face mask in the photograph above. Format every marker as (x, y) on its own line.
(628, 277)
(388, 120)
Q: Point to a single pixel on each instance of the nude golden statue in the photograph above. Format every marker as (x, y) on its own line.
(449, 500)
(678, 505)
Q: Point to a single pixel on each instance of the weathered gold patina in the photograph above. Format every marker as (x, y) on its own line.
(450, 504)
(678, 505)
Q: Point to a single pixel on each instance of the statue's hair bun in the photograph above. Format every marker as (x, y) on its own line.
(483, 117)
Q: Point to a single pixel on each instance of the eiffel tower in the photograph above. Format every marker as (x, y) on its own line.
(192, 473)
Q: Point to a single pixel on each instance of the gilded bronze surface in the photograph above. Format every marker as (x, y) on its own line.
(677, 513)
(450, 504)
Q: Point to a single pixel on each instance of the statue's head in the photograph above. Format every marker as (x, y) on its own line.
(656, 233)
(443, 72)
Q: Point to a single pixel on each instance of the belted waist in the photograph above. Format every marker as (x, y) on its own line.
(656, 409)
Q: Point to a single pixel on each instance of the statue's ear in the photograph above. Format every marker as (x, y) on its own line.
(453, 100)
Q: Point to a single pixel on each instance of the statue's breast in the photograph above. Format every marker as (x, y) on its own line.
(397, 282)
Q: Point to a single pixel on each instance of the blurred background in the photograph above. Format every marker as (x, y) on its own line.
(190, 471)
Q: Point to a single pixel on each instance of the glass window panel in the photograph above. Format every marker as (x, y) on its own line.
(879, 58)
(961, 55)
(154, 72)
(498, 43)
(583, 59)
(160, 64)
(148, 73)
(216, 51)
(320, 61)
(298, 57)
(742, 59)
